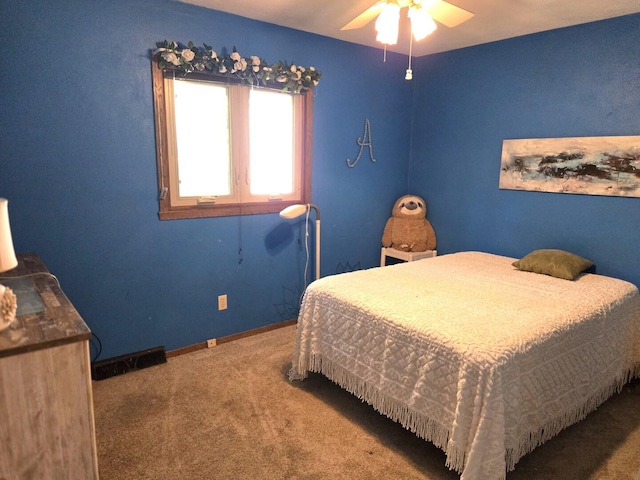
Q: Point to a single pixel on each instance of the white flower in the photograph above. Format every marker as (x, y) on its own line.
(214, 54)
(235, 56)
(172, 58)
(313, 69)
(255, 63)
(293, 68)
(222, 69)
(187, 54)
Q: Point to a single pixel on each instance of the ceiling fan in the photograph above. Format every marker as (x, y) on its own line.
(422, 14)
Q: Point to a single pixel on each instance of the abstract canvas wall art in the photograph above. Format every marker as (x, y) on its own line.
(583, 165)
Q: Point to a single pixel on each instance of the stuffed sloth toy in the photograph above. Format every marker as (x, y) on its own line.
(408, 228)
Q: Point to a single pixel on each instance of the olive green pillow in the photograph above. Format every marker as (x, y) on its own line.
(556, 263)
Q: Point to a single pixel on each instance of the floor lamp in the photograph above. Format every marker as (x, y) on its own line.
(294, 211)
(8, 260)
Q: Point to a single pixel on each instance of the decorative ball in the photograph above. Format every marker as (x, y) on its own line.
(8, 307)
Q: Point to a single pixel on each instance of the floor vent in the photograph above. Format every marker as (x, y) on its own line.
(127, 363)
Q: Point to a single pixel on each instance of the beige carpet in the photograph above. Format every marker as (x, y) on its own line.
(230, 413)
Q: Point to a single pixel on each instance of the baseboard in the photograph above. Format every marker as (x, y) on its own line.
(230, 338)
(127, 363)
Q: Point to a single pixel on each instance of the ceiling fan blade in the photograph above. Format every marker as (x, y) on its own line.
(446, 13)
(365, 17)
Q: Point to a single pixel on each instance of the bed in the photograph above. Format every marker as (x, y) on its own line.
(482, 359)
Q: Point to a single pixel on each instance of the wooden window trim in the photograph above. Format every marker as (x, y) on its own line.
(173, 212)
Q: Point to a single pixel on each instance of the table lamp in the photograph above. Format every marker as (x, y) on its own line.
(8, 260)
(294, 211)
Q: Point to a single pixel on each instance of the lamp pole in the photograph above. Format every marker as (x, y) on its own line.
(311, 205)
(295, 211)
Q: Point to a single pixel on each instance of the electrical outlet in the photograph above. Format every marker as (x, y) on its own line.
(222, 302)
(211, 343)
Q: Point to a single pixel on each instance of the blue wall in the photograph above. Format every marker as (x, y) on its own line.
(77, 160)
(78, 165)
(580, 81)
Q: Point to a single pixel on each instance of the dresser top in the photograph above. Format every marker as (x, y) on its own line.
(46, 318)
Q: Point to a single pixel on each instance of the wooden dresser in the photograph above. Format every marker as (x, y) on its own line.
(47, 428)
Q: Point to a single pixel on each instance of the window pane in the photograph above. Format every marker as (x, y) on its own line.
(202, 136)
(271, 142)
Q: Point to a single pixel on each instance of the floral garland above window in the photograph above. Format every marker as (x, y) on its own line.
(253, 70)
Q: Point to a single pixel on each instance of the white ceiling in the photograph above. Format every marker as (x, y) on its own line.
(493, 20)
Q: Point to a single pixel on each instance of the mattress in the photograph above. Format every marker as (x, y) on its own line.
(484, 360)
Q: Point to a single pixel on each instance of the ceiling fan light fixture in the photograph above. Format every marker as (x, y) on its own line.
(421, 22)
(387, 24)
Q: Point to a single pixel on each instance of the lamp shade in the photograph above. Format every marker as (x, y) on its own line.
(421, 22)
(294, 211)
(387, 24)
(8, 258)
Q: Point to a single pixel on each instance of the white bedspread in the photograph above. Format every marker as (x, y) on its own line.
(485, 361)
